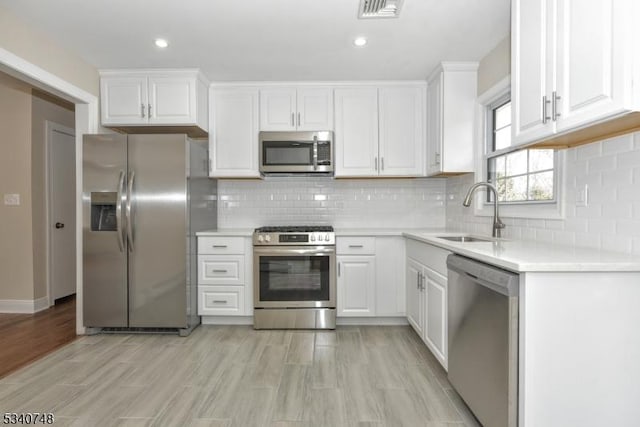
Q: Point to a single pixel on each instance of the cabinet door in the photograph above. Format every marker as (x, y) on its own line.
(124, 100)
(234, 133)
(402, 139)
(277, 109)
(315, 109)
(172, 100)
(593, 60)
(390, 272)
(434, 126)
(356, 286)
(415, 296)
(436, 315)
(532, 51)
(356, 135)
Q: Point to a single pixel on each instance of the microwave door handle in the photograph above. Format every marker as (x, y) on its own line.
(315, 152)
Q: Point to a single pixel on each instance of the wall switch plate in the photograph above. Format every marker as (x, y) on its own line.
(12, 199)
(582, 198)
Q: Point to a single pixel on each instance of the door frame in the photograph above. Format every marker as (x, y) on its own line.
(86, 121)
(50, 127)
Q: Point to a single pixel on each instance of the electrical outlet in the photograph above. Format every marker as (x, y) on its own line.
(12, 199)
(582, 198)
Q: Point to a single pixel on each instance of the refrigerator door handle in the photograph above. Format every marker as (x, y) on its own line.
(119, 229)
(129, 215)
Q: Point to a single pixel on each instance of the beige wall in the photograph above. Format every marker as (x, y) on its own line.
(31, 45)
(495, 65)
(43, 108)
(16, 255)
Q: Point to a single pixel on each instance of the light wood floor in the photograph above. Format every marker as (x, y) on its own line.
(27, 337)
(235, 376)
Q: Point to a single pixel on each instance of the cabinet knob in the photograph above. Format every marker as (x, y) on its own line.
(59, 225)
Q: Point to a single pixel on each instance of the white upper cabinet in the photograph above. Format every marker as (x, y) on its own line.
(572, 65)
(124, 100)
(532, 73)
(401, 131)
(356, 135)
(152, 97)
(304, 109)
(451, 97)
(380, 132)
(233, 136)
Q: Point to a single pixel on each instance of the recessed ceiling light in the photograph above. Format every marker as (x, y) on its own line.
(162, 43)
(360, 41)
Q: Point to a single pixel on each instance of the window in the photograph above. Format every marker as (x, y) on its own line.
(520, 176)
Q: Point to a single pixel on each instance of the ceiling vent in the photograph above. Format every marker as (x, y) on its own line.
(379, 9)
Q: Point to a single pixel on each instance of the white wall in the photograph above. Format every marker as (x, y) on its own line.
(353, 203)
(611, 221)
(25, 41)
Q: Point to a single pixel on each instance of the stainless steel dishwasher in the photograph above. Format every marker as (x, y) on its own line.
(483, 339)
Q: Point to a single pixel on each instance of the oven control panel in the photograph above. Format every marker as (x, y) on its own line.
(290, 239)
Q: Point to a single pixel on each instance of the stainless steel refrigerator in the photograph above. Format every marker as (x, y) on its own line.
(144, 198)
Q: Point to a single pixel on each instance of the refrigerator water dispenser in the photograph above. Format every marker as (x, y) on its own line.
(103, 211)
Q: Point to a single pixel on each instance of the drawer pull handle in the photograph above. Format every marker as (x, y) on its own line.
(219, 246)
(218, 301)
(356, 246)
(220, 271)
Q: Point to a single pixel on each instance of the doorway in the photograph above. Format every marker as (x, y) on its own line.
(61, 218)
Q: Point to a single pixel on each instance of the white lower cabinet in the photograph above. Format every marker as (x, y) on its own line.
(370, 276)
(415, 299)
(225, 285)
(426, 283)
(435, 333)
(356, 285)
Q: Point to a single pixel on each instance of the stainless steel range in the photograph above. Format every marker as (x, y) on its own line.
(294, 275)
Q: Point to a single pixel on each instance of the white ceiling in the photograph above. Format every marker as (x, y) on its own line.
(239, 40)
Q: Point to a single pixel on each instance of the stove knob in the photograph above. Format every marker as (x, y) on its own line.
(326, 237)
(313, 238)
(267, 238)
(260, 238)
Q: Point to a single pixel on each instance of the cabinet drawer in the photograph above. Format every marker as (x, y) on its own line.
(221, 245)
(220, 300)
(356, 245)
(221, 270)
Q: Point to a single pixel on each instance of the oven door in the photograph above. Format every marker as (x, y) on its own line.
(294, 276)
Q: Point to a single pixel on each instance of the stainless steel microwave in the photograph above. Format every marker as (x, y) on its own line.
(290, 153)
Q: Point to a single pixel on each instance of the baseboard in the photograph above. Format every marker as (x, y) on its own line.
(227, 320)
(23, 306)
(364, 321)
(40, 304)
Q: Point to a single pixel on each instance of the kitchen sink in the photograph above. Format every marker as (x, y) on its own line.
(464, 239)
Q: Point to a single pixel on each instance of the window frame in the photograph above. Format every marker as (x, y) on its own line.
(543, 209)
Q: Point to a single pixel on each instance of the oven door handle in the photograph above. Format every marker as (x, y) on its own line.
(287, 250)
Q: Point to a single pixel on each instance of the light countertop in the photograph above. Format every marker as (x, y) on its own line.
(226, 232)
(514, 255)
(526, 255)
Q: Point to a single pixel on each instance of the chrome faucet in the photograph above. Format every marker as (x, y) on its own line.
(498, 225)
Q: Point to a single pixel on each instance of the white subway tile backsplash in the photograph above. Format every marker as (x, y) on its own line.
(588, 151)
(603, 163)
(611, 221)
(618, 144)
(410, 203)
